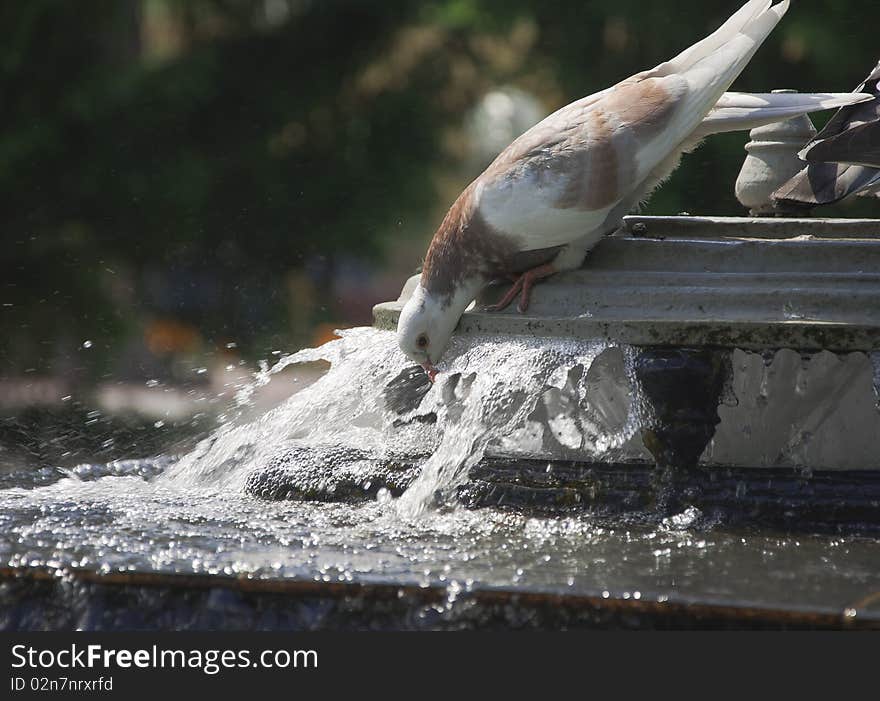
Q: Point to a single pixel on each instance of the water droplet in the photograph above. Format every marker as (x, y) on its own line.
(383, 496)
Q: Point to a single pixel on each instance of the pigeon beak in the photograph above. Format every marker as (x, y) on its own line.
(430, 369)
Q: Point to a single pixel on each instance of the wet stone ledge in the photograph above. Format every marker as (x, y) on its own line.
(756, 346)
(796, 500)
(732, 282)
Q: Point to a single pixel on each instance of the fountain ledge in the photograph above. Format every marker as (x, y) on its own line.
(729, 282)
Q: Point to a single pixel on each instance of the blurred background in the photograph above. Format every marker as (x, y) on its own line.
(191, 187)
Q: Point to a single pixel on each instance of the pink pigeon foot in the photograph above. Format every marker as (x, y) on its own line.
(523, 287)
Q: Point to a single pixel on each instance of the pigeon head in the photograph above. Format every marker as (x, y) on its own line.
(424, 329)
(427, 321)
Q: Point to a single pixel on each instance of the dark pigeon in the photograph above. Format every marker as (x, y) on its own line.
(843, 158)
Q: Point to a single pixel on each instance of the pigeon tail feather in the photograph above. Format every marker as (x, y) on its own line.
(737, 111)
(727, 31)
(711, 75)
(703, 73)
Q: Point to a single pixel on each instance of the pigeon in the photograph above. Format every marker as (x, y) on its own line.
(843, 159)
(558, 189)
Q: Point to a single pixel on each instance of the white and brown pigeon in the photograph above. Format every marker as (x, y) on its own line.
(552, 195)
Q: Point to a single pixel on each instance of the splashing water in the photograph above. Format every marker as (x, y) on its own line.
(344, 405)
(491, 396)
(496, 385)
(496, 397)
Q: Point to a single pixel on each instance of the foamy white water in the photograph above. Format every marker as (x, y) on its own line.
(494, 397)
(500, 385)
(510, 395)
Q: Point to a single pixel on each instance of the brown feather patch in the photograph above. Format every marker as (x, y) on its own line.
(594, 172)
(593, 152)
(601, 166)
(464, 247)
(643, 106)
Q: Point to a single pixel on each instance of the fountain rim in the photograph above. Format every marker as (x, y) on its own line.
(713, 281)
(654, 608)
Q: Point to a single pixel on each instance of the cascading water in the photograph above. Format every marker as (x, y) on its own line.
(502, 382)
(496, 397)
(492, 395)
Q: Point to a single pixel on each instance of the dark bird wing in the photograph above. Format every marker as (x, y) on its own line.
(843, 158)
(859, 145)
(851, 116)
(826, 183)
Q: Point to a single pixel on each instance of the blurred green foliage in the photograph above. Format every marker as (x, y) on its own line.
(253, 137)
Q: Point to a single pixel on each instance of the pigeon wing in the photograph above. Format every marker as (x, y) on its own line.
(559, 181)
(857, 145)
(826, 183)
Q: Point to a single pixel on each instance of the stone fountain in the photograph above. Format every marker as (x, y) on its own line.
(735, 360)
(755, 345)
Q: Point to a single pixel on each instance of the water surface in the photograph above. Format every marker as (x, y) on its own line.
(192, 514)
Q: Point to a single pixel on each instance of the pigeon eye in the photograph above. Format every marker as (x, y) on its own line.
(422, 341)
